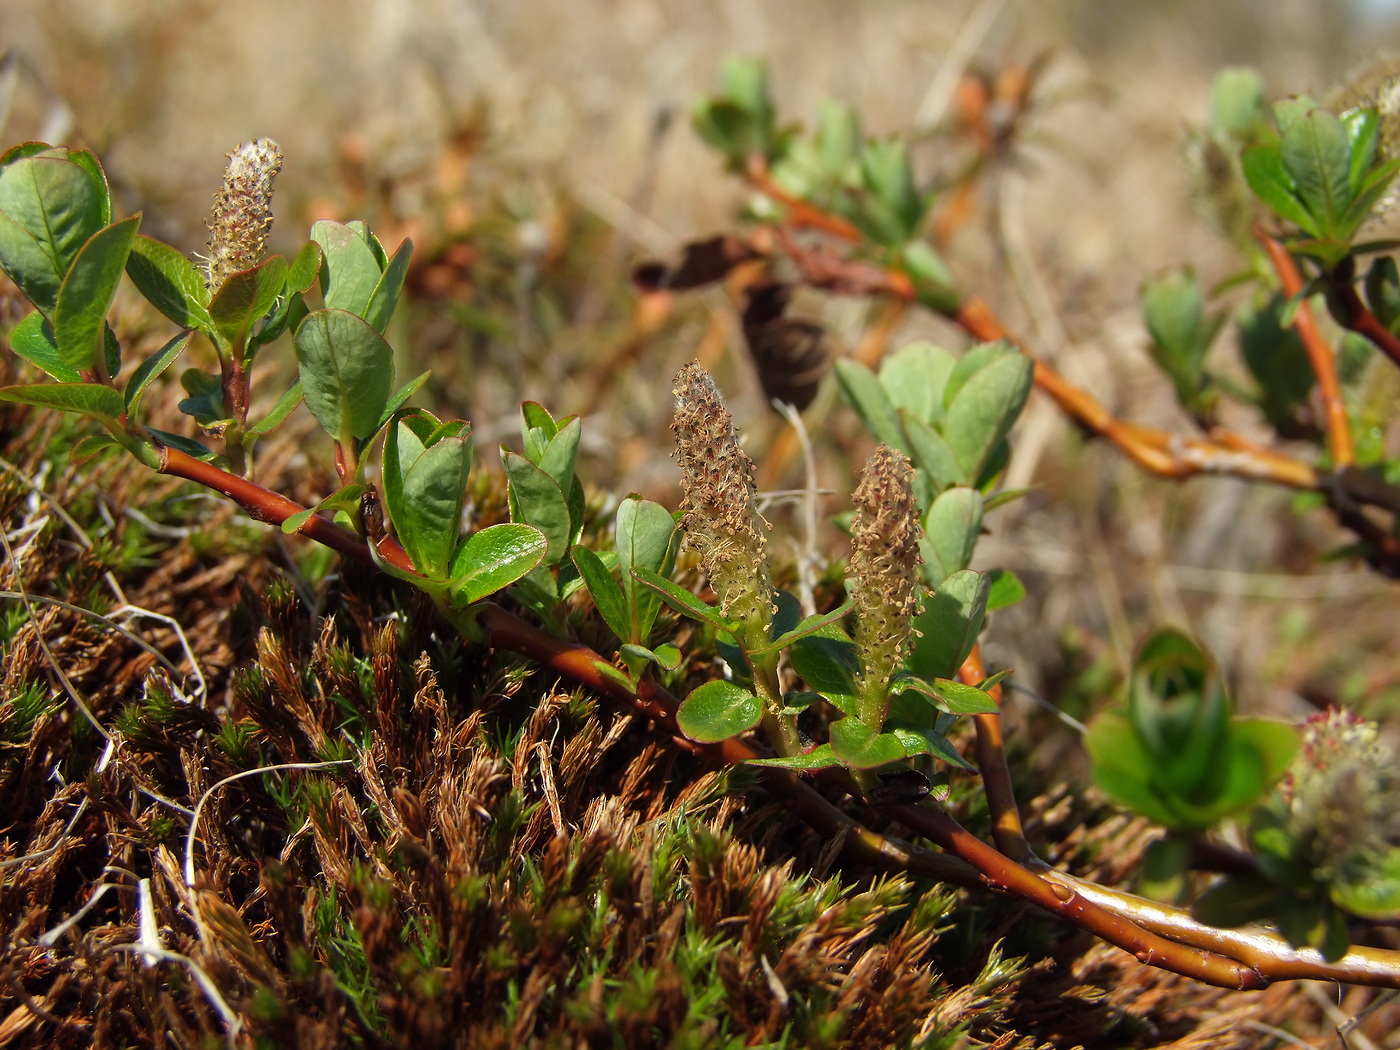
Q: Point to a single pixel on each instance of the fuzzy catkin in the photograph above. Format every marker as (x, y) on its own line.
(717, 498)
(242, 213)
(883, 572)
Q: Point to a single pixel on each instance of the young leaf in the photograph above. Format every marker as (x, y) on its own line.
(647, 538)
(279, 412)
(535, 499)
(931, 454)
(947, 625)
(385, 296)
(425, 478)
(206, 400)
(1005, 589)
(859, 746)
(494, 558)
(347, 372)
(350, 270)
(32, 339)
(866, 395)
(984, 409)
(80, 314)
(247, 297)
(827, 662)
(150, 368)
(1317, 156)
(717, 711)
(170, 282)
(88, 399)
(818, 758)
(1264, 171)
(811, 625)
(950, 695)
(913, 379)
(607, 595)
(682, 600)
(951, 529)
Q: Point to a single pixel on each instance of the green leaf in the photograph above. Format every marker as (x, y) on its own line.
(425, 470)
(206, 400)
(247, 297)
(535, 499)
(494, 558)
(947, 625)
(170, 282)
(607, 595)
(914, 377)
(304, 270)
(1174, 311)
(859, 746)
(399, 399)
(385, 296)
(1166, 869)
(951, 530)
(350, 271)
(189, 446)
(1317, 157)
(827, 662)
(88, 399)
(949, 694)
(984, 408)
(1120, 765)
(347, 372)
(868, 398)
(149, 369)
(561, 454)
(32, 339)
(53, 206)
(682, 600)
(79, 317)
(819, 757)
(1312, 923)
(1375, 893)
(717, 711)
(90, 446)
(927, 742)
(811, 625)
(1269, 179)
(931, 454)
(647, 537)
(1005, 589)
(279, 412)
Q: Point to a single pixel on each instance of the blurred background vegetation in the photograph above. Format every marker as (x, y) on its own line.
(535, 150)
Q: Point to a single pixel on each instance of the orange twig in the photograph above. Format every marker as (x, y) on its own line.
(1320, 355)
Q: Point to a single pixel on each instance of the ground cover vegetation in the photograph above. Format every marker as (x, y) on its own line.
(536, 762)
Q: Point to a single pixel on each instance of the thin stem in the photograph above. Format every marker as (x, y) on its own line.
(1007, 829)
(1320, 355)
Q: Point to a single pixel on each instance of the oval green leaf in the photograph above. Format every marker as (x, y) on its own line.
(717, 711)
(347, 372)
(495, 558)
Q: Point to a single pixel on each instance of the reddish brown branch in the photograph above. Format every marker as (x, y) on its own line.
(1065, 901)
(1007, 829)
(1320, 355)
